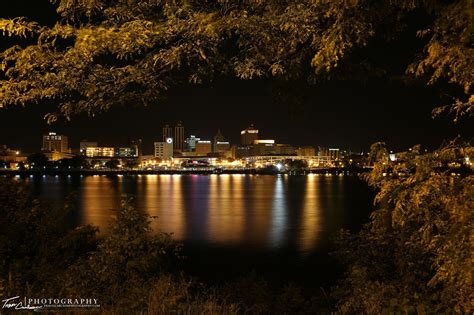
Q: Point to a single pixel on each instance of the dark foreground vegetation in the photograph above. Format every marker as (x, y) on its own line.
(413, 257)
(128, 270)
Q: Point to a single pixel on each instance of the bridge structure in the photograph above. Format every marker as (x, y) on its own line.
(312, 160)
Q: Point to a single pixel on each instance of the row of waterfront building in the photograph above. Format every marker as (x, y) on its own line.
(174, 144)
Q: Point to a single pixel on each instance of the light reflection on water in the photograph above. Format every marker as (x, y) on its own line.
(267, 212)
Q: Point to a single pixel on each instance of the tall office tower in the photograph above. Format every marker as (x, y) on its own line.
(323, 151)
(249, 135)
(203, 147)
(164, 150)
(191, 143)
(334, 153)
(167, 132)
(137, 146)
(306, 151)
(217, 138)
(53, 142)
(178, 138)
(221, 146)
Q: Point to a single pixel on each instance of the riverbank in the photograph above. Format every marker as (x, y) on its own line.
(204, 171)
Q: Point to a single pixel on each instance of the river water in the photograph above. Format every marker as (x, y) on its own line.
(279, 226)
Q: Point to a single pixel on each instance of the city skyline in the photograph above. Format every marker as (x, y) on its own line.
(351, 114)
(327, 128)
(53, 141)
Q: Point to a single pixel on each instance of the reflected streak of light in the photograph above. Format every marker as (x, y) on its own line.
(99, 201)
(279, 214)
(164, 202)
(311, 228)
(261, 208)
(226, 209)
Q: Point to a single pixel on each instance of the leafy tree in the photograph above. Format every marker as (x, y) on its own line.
(127, 264)
(36, 244)
(95, 163)
(415, 255)
(78, 161)
(297, 165)
(37, 160)
(113, 164)
(131, 163)
(109, 53)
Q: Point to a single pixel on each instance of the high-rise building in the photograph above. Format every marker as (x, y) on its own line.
(323, 151)
(221, 146)
(167, 133)
(137, 146)
(334, 153)
(178, 138)
(284, 149)
(249, 135)
(217, 138)
(306, 151)
(203, 147)
(263, 147)
(191, 143)
(164, 150)
(53, 142)
(84, 144)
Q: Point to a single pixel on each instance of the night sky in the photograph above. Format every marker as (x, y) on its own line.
(348, 115)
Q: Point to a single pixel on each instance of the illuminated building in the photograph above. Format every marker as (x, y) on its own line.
(203, 147)
(240, 151)
(167, 132)
(11, 157)
(126, 152)
(323, 151)
(178, 138)
(191, 143)
(334, 153)
(249, 135)
(100, 152)
(164, 150)
(263, 147)
(137, 146)
(111, 152)
(53, 142)
(84, 144)
(306, 151)
(221, 146)
(217, 138)
(284, 149)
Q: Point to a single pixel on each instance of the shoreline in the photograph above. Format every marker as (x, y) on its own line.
(332, 171)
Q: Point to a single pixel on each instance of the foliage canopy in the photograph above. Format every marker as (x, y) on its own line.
(107, 53)
(415, 255)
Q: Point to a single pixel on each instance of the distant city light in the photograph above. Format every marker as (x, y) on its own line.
(264, 141)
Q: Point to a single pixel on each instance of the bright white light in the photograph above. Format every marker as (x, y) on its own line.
(279, 166)
(269, 141)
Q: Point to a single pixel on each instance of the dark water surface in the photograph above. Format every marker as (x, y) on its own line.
(279, 226)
